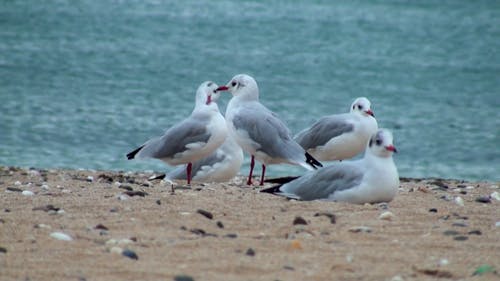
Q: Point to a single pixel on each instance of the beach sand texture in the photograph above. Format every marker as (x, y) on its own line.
(232, 232)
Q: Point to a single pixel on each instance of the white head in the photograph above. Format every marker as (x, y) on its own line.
(362, 106)
(206, 93)
(242, 85)
(381, 144)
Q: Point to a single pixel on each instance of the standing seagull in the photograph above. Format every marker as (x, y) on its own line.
(259, 131)
(220, 166)
(193, 138)
(372, 179)
(341, 136)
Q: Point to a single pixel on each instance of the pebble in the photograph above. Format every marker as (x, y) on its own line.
(14, 189)
(497, 224)
(45, 187)
(397, 278)
(433, 210)
(116, 250)
(206, 214)
(183, 278)
(61, 236)
(250, 252)
(459, 201)
(443, 262)
(17, 183)
(460, 238)
(296, 245)
(130, 254)
(41, 225)
(459, 224)
(469, 187)
(475, 232)
(28, 193)
(231, 235)
(3, 250)
(90, 178)
(386, 216)
(451, 233)
(123, 197)
(332, 217)
(483, 199)
(220, 224)
(299, 220)
(125, 241)
(495, 195)
(357, 229)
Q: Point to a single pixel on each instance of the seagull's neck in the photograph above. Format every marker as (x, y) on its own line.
(202, 107)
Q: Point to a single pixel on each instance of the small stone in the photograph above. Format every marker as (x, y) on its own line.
(135, 193)
(220, 225)
(433, 210)
(397, 278)
(386, 216)
(299, 220)
(28, 193)
(469, 187)
(287, 267)
(460, 238)
(475, 232)
(358, 229)
(130, 254)
(111, 242)
(61, 236)
(123, 197)
(101, 227)
(451, 233)
(206, 214)
(61, 212)
(90, 178)
(183, 278)
(116, 250)
(113, 210)
(125, 241)
(45, 187)
(483, 199)
(443, 262)
(495, 195)
(231, 235)
(459, 224)
(250, 252)
(3, 250)
(14, 189)
(17, 183)
(459, 201)
(158, 202)
(497, 224)
(332, 217)
(41, 225)
(296, 245)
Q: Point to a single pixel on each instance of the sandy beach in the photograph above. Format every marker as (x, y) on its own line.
(100, 225)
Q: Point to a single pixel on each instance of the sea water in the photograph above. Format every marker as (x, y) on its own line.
(84, 82)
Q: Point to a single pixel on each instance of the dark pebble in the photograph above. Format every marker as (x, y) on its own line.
(206, 214)
(130, 254)
(46, 208)
(105, 178)
(199, 231)
(250, 252)
(183, 228)
(158, 202)
(451, 233)
(220, 225)
(460, 238)
(439, 183)
(136, 193)
(483, 199)
(475, 232)
(332, 217)
(113, 210)
(183, 278)
(101, 227)
(433, 210)
(6, 210)
(299, 220)
(3, 250)
(231, 235)
(463, 192)
(126, 187)
(287, 267)
(14, 189)
(460, 217)
(459, 224)
(461, 186)
(2, 221)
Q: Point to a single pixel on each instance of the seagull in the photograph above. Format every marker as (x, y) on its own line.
(340, 136)
(259, 131)
(220, 166)
(193, 138)
(372, 179)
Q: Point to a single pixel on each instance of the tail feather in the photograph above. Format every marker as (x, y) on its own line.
(313, 162)
(281, 180)
(160, 177)
(131, 155)
(273, 190)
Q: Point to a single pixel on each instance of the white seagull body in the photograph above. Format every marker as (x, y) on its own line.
(259, 131)
(372, 179)
(341, 136)
(192, 139)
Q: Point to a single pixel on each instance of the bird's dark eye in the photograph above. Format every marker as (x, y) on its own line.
(378, 142)
(233, 84)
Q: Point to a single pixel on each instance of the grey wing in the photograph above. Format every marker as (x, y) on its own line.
(175, 139)
(323, 130)
(180, 172)
(264, 128)
(324, 182)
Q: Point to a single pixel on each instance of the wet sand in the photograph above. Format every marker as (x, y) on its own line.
(232, 232)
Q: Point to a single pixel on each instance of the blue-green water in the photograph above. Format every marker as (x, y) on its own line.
(84, 82)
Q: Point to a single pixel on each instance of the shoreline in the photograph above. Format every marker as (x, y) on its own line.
(124, 227)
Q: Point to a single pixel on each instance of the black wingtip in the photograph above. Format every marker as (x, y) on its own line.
(160, 177)
(273, 190)
(131, 155)
(313, 162)
(281, 180)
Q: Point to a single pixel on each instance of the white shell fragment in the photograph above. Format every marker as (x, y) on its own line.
(459, 201)
(495, 195)
(28, 193)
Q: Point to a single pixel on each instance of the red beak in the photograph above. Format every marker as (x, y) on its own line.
(370, 112)
(391, 148)
(209, 100)
(222, 88)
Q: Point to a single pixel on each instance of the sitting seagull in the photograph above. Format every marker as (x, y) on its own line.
(340, 136)
(193, 138)
(220, 166)
(372, 179)
(259, 131)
